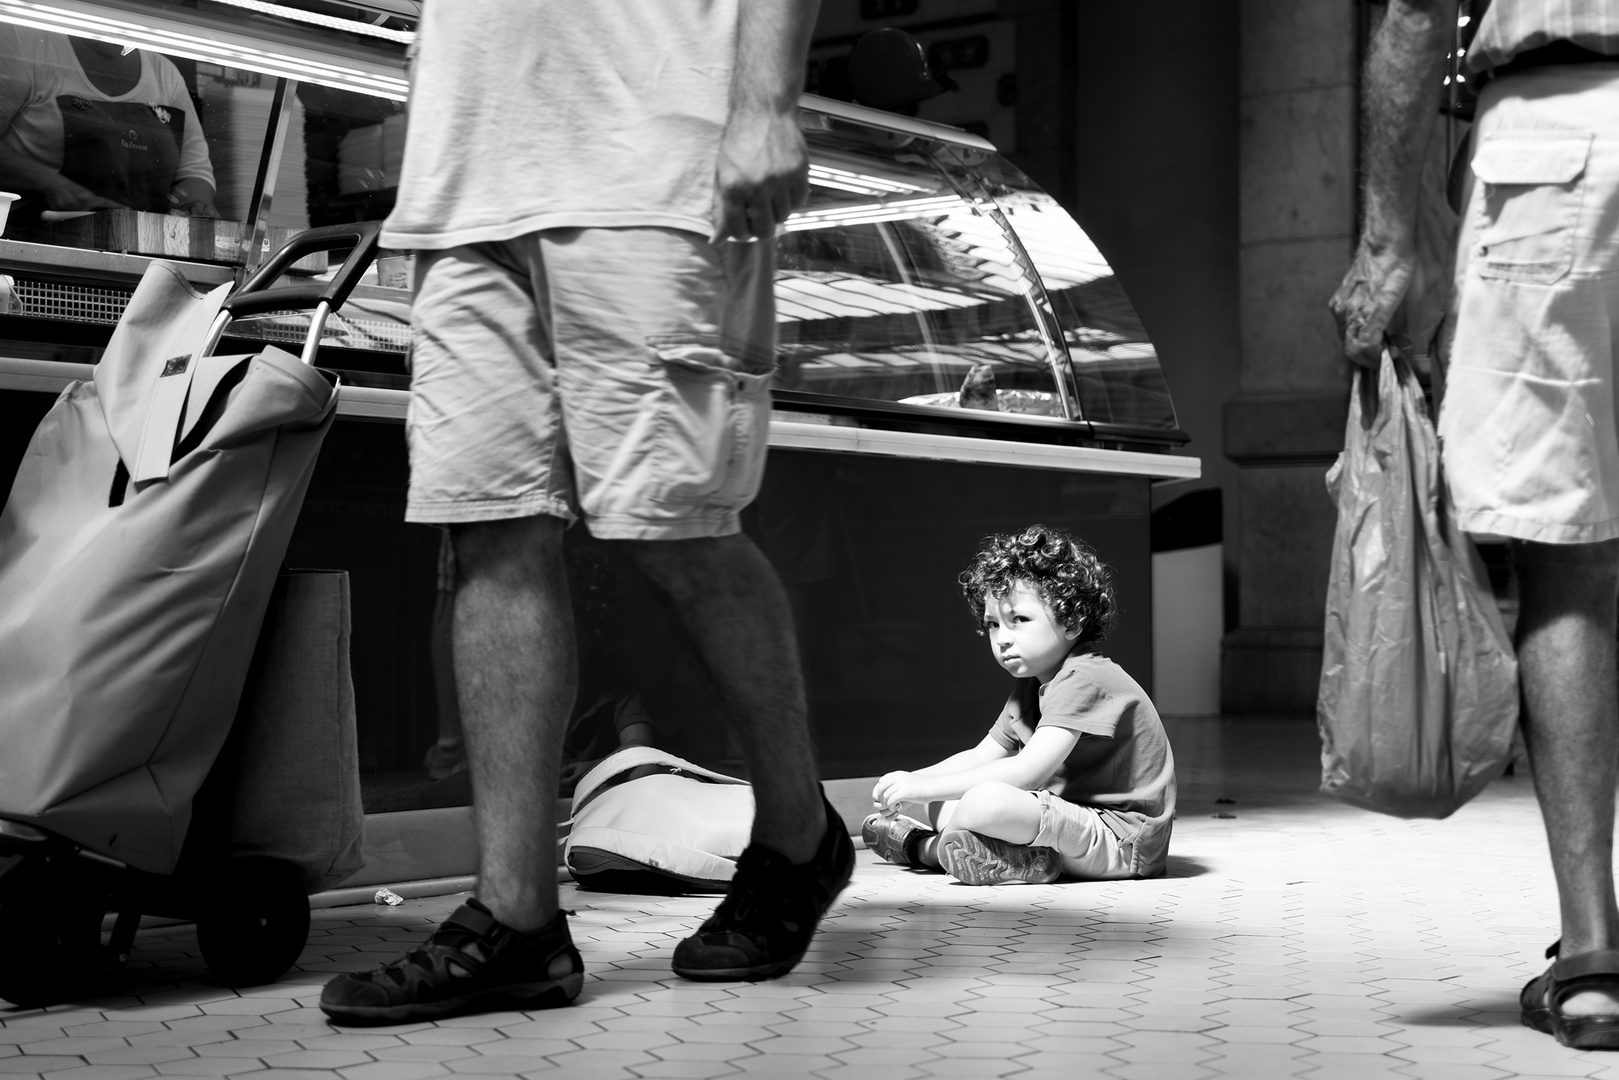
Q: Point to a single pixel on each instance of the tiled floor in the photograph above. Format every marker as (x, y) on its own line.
(1293, 938)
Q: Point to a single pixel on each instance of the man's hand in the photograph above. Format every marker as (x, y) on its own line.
(1367, 299)
(1404, 64)
(762, 175)
(762, 171)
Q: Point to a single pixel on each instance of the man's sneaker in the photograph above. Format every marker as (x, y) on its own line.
(894, 838)
(764, 924)
(975, 859)
(471, 962)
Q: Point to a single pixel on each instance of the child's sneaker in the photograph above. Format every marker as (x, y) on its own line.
(763, 926)
(975, 859)
(472, 961)
(894, 838)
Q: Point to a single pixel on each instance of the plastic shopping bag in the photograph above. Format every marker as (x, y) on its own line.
(1419, 691)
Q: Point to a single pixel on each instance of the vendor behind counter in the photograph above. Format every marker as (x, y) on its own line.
(89, 125)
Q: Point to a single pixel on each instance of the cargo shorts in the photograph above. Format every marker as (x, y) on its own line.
(620, 375)
(1528, 421)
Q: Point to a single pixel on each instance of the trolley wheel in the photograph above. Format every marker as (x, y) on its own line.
(53, 928)
(257, 922)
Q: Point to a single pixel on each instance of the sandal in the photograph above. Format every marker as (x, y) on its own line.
(1543, 997)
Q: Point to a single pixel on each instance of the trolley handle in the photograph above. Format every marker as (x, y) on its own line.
(255, 297)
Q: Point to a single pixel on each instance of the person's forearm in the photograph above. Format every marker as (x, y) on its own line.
(1014, 770)
(1399, 102)
(958, 762)
(772, 40)
(20, 172)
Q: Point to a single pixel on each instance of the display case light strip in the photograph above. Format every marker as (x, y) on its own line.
(329, 22)
(873, 212)
(864, 183)
(215, 50)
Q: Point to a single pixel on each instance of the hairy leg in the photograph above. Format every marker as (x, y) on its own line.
(727, 599)
(515, 669)
(1566, 655)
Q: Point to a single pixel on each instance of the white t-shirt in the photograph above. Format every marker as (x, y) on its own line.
(540, 114)
(39, 72)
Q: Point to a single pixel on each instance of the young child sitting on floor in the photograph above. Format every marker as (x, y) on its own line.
(1075, 777)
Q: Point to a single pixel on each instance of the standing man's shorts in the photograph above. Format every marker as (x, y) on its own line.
(1528, 422)
(618, 374)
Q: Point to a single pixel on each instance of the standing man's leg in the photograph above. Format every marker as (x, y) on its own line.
(1566, 655)
(516, 669)
(728, 601)
(488, 455)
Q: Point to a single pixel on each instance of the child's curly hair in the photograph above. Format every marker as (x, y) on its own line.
(1076, 586)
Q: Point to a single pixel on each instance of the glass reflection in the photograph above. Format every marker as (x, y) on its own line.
(87, 125)
(1115, 366)
(891, 286)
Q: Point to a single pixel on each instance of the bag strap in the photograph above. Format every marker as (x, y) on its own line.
(621, 762)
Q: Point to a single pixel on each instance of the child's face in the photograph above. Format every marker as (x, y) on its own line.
(1024, 637)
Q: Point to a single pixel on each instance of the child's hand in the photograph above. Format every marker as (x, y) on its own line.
(897, 787)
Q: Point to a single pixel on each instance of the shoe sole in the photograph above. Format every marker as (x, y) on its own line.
(550, 994)
(972, 860)
(1602, 1034)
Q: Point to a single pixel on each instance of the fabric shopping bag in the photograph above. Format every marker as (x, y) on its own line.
(287, 783)
(645, 820)
(138, 550)
(1419, 696)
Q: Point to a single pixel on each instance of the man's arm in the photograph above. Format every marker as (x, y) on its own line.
(763, 166)
(1399, 101)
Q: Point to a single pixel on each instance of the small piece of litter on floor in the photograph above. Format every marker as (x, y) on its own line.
(1229, 817)
(1223, 799)
(389, 897)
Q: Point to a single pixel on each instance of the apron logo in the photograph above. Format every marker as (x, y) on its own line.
(175, 365)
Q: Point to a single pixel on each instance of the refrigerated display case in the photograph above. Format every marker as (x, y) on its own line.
(956, 357)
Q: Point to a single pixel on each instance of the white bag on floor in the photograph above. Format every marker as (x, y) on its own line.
(677, 829)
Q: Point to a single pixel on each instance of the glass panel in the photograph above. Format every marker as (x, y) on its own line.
(891, 286)
(1115, 364)
(125, 150)
(340, 164)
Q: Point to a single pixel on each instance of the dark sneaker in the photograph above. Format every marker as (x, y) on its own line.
(894, 838)
(975, 859)
(764, 924)
(472, 962)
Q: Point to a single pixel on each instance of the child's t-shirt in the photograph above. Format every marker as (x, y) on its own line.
(1121, 766)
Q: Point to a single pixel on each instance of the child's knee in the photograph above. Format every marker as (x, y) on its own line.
(994, 802)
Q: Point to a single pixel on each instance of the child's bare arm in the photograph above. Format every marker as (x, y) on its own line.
(986, 751)
(1026, 769)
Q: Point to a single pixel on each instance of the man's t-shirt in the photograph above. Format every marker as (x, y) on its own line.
(1510, 28)
(1121, 766)
(540, 114)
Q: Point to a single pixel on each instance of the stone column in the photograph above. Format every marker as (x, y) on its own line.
(1296, 155)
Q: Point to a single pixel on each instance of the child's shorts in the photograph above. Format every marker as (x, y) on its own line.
(1090, 850)
(618, 374)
